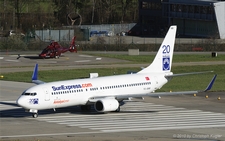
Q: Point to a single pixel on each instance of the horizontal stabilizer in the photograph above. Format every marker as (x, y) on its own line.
(182, 74)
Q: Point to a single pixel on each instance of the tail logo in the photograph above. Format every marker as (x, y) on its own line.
(166, 63)
(166, 57)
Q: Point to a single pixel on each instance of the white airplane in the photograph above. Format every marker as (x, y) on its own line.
(106, 93)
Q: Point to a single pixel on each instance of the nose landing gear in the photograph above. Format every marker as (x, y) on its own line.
(34, 115)
(34, 112)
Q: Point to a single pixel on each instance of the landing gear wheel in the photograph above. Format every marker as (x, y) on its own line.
(35, 115)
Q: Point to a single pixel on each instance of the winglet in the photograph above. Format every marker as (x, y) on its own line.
(35, 76)
(35, 73)
(211, 83)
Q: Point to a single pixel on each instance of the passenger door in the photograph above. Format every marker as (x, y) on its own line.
(47, 94)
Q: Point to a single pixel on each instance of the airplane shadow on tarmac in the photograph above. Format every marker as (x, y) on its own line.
(20, 112)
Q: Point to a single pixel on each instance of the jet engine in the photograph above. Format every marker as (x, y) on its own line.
(106, 105)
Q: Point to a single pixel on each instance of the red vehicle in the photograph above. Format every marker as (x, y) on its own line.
(54, 50)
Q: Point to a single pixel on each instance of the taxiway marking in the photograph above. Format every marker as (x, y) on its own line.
(134, 116)
(139, 116)
(12, 60)
(81, 61)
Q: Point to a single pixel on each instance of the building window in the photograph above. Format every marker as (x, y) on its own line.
(151, 5)
(144, 5)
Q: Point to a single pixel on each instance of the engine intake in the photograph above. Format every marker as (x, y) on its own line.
(106, 105)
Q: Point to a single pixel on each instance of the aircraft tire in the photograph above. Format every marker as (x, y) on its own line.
(35, 115)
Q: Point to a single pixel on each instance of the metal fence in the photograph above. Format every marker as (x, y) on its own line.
(87, 31)
(57, 35)
(107, 29)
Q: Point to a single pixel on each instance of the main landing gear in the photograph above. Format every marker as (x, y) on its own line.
(85, 107)
(118, 109)
(121, 103)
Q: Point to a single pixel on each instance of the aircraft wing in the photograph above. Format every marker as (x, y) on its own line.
(155, 94)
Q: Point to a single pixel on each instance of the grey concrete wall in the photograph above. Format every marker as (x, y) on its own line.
(220, 17)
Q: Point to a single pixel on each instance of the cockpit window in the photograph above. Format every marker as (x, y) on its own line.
(26, 93)
(32, 94)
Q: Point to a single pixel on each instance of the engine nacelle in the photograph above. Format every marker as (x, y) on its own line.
(106, 105)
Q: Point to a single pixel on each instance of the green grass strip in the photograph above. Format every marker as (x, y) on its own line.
(190, 82)
(176, 57)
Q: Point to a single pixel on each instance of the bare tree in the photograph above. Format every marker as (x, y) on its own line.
(93, 11)
(72, 12)
(20, 6)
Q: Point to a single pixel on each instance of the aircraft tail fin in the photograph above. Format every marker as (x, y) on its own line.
(164, 56)
(35, 72)
(73, 47)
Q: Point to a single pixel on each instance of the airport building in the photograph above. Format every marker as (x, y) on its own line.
(194, 18)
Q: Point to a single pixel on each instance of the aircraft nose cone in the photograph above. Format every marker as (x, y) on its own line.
(19, 102)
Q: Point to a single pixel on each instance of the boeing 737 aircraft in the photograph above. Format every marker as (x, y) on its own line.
(106, 93)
